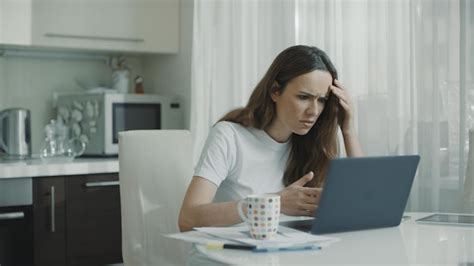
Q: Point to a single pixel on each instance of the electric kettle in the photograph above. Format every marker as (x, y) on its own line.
(15, 132)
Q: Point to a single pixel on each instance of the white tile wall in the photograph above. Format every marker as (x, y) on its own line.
(29, 82)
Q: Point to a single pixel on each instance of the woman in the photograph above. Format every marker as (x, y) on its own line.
(281, 142)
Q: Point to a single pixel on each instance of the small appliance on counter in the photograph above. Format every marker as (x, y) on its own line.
(15, 133)
(97, 118)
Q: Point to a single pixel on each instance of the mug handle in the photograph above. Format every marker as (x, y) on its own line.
(241, 212)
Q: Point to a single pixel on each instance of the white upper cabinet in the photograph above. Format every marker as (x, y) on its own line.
(108, 25)
(15, 22)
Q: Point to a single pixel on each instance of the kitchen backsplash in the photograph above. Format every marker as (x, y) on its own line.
(30, 83)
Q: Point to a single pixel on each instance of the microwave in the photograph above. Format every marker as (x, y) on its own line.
(97, 118)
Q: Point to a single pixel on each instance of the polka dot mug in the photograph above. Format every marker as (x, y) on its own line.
(263, 215)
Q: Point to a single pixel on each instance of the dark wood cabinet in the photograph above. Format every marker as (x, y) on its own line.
(16, 235)
(93, 220)
(86, 229)
(49, 212)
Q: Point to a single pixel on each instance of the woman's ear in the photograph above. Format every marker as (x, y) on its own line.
(275, 91)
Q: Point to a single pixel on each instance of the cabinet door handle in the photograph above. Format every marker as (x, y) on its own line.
(11, 215)
(53, 210)
(102, 184)
(90, 37)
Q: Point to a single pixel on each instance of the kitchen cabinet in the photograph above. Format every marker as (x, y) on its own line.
(16, 221)
(15, 22)
(16, 236)
(93, 220)
(149, 26)
(49, 210)
(77, 220)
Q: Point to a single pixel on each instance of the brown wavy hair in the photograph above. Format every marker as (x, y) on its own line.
(310, 152)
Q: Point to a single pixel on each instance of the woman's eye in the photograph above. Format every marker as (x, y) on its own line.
(303, 97)
(322, 99)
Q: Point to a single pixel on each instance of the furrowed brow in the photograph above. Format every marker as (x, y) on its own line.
(317, 96)
(310, 94)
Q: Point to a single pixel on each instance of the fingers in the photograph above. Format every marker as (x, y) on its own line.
(338, 89)
(308, 195)
(302, 181)
(313, 199)
(301, 200)
(341, 94)
(344, 104)
(307, 209)
(338, 84)
(312, 191)
(310, 200)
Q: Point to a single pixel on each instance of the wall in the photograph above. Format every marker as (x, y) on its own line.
(171, 74)
(30, 82)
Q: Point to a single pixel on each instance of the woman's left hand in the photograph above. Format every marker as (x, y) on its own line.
(347, 117)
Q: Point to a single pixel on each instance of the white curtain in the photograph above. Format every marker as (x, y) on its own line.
(234, 42)
(407, 63)
(467, 97)
(402, 62)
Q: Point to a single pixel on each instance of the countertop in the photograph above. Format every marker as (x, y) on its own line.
(36, 167)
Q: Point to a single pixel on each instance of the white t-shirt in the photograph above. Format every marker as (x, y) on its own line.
(242, 161)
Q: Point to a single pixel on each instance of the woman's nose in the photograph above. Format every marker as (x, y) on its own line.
(313, 108)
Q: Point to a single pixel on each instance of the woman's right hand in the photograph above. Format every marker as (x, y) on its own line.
(297, 200)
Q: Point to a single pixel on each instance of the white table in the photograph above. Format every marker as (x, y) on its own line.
(408, 244)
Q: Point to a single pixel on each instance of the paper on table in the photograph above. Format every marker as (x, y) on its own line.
(285, 237)
(199, 238)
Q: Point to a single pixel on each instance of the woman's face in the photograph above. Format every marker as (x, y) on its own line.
(301, 102)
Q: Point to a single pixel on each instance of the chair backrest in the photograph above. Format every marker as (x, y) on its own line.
(468, 195)
(155, 170)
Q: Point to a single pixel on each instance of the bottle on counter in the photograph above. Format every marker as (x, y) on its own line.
(139, 85)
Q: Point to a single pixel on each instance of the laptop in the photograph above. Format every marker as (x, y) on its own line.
(362, 193)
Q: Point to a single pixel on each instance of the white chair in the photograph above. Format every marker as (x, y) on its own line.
(155, 170)
(468, 195)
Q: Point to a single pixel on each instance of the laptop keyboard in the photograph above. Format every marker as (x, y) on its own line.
(304, 225)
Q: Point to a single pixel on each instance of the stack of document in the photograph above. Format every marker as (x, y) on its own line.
(286, 237)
